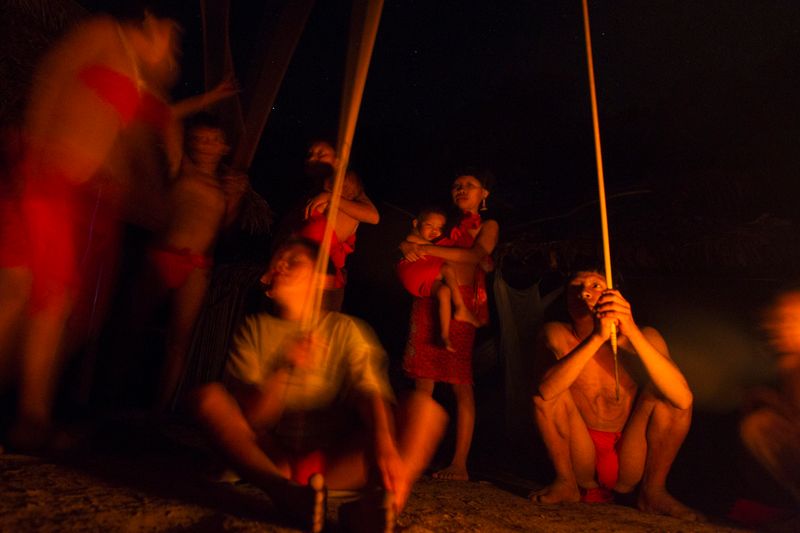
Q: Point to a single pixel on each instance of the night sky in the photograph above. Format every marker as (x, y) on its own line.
(688, 92)
(697, 103)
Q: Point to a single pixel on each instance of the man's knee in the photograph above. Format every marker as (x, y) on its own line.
(756, 426)
(652, 402)
(207, 399)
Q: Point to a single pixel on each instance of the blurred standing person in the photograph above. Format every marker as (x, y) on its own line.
(183, 257)
(103, 77)
(770, 428)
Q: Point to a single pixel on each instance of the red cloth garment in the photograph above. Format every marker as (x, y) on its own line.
(121, 93)
(175, 265)
(305, 465)
(425, 358)
(419, 276)
(314, 229)
(606, 457)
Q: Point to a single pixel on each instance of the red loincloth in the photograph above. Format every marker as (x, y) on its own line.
(606, 458)
(305, 465)
(174, 265)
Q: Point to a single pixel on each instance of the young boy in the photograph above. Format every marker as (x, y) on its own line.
(433, 276)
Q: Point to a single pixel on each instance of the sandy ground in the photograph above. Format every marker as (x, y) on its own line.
(144, 481)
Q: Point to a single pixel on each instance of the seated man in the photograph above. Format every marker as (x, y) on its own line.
(285, 417)
(599, 443)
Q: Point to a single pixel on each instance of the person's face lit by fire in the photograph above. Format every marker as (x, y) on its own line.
(430, 227)
(321, 152)
(206, 145)
(782, 324)
(320, 160)
(289, 277)
(468, 193)
(583, 291)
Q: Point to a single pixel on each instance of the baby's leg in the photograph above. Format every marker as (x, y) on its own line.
(462, 312)
(443, 295)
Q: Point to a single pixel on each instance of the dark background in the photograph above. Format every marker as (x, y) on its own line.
(700, 128)
(688, 92)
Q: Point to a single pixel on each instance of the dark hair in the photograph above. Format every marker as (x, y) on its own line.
(322, 140)
(591, 264)
(312, 247)
(430, 210)
(483, 175)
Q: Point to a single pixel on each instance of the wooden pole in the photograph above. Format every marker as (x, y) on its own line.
(364, 22)
(600, 183)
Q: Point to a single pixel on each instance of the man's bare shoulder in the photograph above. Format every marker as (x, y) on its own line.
(557, 337)
(655, 338)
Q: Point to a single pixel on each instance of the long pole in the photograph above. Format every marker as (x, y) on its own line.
(363, 29)
(600, 183)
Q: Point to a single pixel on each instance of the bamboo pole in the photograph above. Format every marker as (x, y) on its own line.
(363, 30)
(600, 183)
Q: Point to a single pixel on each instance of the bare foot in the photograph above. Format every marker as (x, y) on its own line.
(661, 502)
(375, 512)
(463, 314)
(558, 492)
(305, 504)
(452, 473)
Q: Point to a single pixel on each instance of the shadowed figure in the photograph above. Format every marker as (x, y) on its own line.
(770, 428)
(599, 443)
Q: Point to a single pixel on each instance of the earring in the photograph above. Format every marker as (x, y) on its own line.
(483, 205)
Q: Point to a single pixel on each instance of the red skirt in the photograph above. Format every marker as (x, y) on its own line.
(425, 358)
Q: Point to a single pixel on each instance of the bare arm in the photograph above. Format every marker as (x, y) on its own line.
(484, 244)
(649, 345)
(360, 209)
(188, 106)
(570, 362)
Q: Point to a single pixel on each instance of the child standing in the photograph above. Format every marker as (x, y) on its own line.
(433, 275)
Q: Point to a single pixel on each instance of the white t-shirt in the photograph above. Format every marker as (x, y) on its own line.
(347, 358)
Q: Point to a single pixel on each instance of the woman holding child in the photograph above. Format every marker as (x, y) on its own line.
(426, 359)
